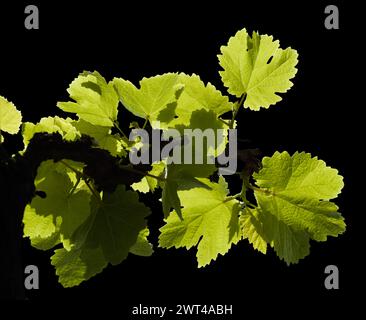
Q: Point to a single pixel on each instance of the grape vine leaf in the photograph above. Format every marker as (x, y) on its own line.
(204, 124)
(96, 100)
(77, 265)
(155, 100)
(197, 96)
(84, 262)
(252, 229)
(118, 220)
(142, 247)
(103, 137)
(55, 217)
(182, 176)
(10, 117)
(257, 67)
(210, 222)
(147, 183)
(115, 227)
(293, 203)
(50, 125)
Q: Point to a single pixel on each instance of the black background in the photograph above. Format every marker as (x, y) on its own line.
(318, 115)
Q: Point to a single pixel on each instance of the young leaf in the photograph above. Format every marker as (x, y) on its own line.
(156, 99)
(96, 100)
(210, 222)
(293, 203)
(257, 67)
(10, 117)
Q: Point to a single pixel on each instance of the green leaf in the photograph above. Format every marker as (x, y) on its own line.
(78, 265)
(60, 211)
(115, 227)
(156, 99)
(258, 67)
(96, 100)
(291, 244)
(252, 229)
(170, 198)
(50, 125)
(147, 183)
(42, 230)
(210, 222)
(203, 123)
(102, 136)
(10, 117)
(299, 174)
(182, 176)
(293, 203)
(118, 221)
(197, 96)
(142, 247)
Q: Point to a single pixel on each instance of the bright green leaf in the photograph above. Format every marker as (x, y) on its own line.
(96, 100)
(10, 117)
(210, 222)
(182, 176)
(147, 183)
(258, 67)
(50, 125)
(156, 98)
(293, 204)
(75, 266)
(252, 229)
(299, 174)
(197, 96)
(207, 130)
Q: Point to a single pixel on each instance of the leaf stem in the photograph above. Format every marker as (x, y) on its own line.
(262, 190)
(225, 122)
(145, 123)
(116, 125)
(86, 179)
(75, 186)
(243, 192)
(142, 173)
(93, 191)
(232, 197)
(235, 112)
(78, 173)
